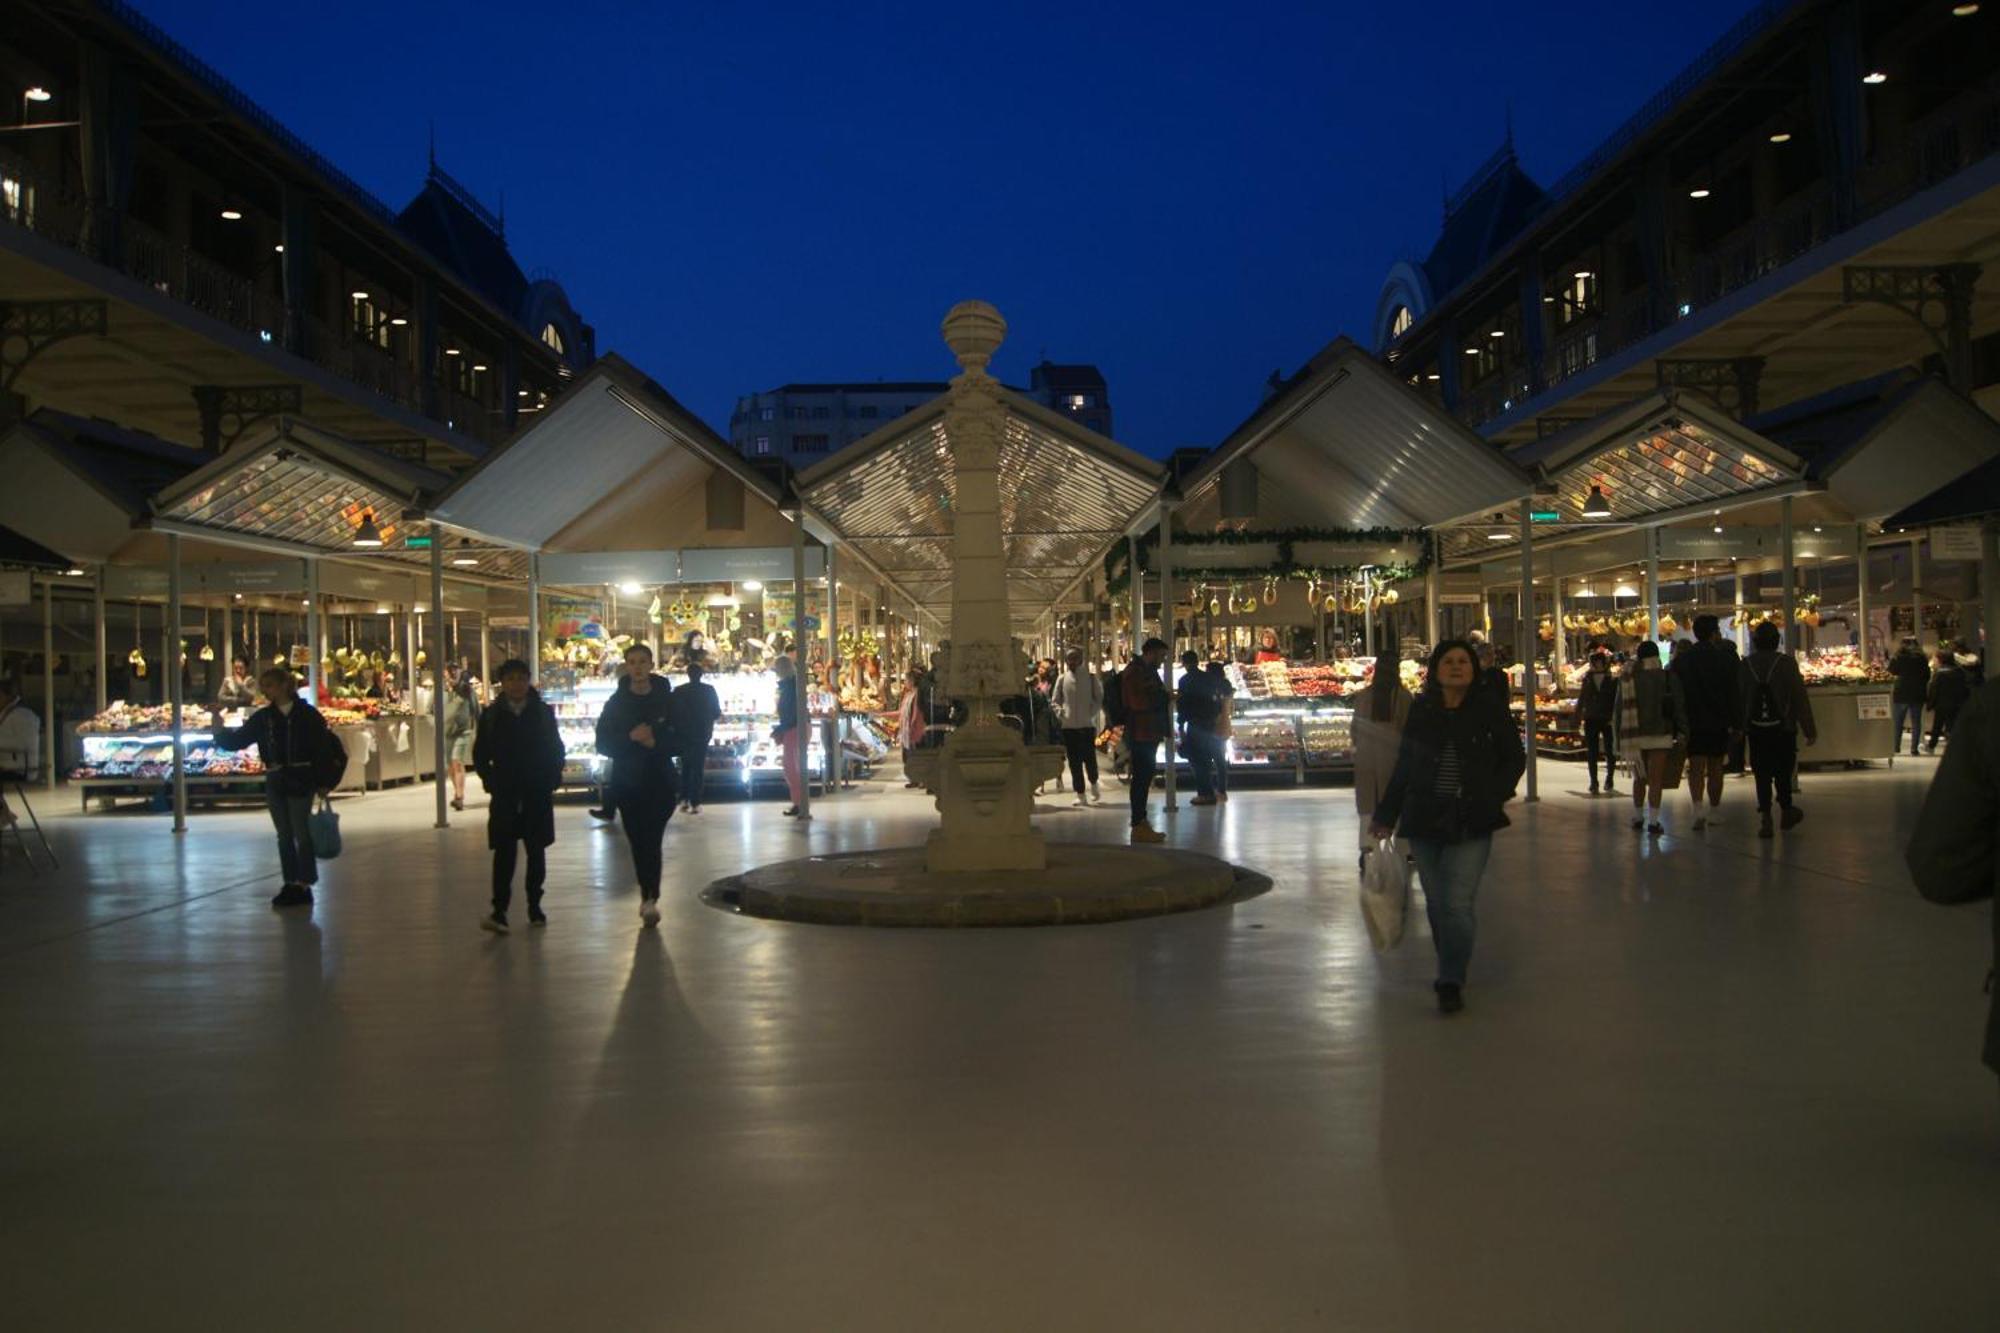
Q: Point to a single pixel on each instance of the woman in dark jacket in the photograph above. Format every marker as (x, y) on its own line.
(518, 754)
(1459, 762)
(302, 757)
(635, 732)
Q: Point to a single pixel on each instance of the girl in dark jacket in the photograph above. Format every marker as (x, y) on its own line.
(1459, 762)
(635, 732)
(518, 755)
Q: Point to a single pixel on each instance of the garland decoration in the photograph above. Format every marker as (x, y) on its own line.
(1118, 573)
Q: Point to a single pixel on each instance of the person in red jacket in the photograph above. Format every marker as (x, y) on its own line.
(1147, 717)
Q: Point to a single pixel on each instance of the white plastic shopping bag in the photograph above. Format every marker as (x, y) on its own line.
(1385, 895)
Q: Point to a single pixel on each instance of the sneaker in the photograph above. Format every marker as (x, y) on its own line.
(495, 921)
(607, 814)
(537, 917)
(1202, 800)
(293, 895)
(1451, 998)
(1096, 797)
(1593, 789)
(1222, 798)
(1791, 818)
(1147, 833)
(1610, 790)
(1638, 821)
(1656, 828)
(791, 812)
(1081, 799)
(1764, 824)
(649, 912)
(1700, 823)
(694, 809)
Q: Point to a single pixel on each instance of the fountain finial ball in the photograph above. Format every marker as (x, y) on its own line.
(974, 331)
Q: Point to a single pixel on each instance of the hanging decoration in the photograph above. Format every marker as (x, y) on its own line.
(1117, 561)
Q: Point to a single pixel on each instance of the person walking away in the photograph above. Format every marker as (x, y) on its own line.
(1381, 711)
(1147, 716)
(461, 719)
(20, 743)
(696, 709)
(1078, 703)
(1952, 852)
(518, 753)
(1948, 691)
(635, 732)
(1912, 671)
(1596, 702)
(1710, 680)
(1222, 728)
(1194, 708)
(1457, 765)
(1776, 711)
(302, 759)
(910, 721)
(1652, 716)
(790, 737)
(239, 690)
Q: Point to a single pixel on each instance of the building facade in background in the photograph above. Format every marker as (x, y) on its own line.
(801, 424)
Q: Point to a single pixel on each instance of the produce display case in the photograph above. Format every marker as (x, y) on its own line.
(1852, 703)
(128, 751)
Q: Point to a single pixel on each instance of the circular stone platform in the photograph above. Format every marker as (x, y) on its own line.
(1083, 883)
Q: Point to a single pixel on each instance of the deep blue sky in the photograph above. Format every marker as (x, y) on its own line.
(739, 194)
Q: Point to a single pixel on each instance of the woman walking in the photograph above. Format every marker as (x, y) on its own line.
(1652, 717)
(1458, 763)
(1381, 711)
(461, 719)
(518, 755)
(1078, 703)
(635, 732)
(910, 720)
(790, 736)
(302, 758)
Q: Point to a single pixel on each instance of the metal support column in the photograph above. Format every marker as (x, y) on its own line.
(1916, 593)
(225, 652)
(802, 718)
(49, 685)
(1433, 590)
(1524, 632)
(443, 780)
(486, 654)
(1989, 581)
(535, 618)
(1788, 573)
(833, 758)
(1167, 632)
(1559, 654)
(176, 683)
(1368, 613)
(103, 659)
(315, 631)
(1138, 585)
(1653, 584)
(1861, 591)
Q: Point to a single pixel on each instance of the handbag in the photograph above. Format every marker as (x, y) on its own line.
(323, 827)
(1385, 895)
(1677, 759)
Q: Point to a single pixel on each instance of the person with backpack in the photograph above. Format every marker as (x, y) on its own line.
(1078, 702)
(1147, 714)
(1948, 691)
(302, 759)
(1952, 852)
(1196, 707)
(1912, 671)
(461, 721)
(1776, 712)
(518, 754)
(636, 733)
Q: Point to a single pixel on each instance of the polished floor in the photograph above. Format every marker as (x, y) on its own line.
(1703, 1083)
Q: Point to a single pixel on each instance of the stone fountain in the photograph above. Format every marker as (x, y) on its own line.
(986, 863)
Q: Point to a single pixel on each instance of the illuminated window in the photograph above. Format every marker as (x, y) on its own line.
(552, 338)
(761, 445)
(1577, 297)
(371, 323)
(17, 201)
(1399, 323)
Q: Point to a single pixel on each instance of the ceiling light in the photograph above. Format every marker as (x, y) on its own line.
(41, 94)
(74, 573)
(476, 366)
(1470, 351)
(1699, 192)
(399, 321)
(451, 351)
(752, 585)
(1718, 527)
(630, 589)
(464, 555)
(359, 296)
(231, 215)
(1584, 274)
(1782, 136)
(1499, 536)
(367, 534)
(520, 393)
(1497, 333)
(1548, 300)
(1433, 375)
(1874, 76)
(278, 249)
(1596, 505)
(305, 601)
(1957, 12)
(1624, 590)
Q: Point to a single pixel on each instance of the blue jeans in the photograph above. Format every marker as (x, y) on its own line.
(1450, 873)
(1205, 757)
(295, 849)
(1912, 714)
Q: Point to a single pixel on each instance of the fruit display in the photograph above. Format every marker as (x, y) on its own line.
(122, 717)
(1327, 737)
(1842, 666)
(129, 758)
(1264, 740)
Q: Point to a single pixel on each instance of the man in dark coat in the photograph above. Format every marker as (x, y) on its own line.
(1710, 676)
(636, 733)
(1952, 855)
(518, 754)
(695, 709)
(1912, 671)
(302, 758)
(1950, 688)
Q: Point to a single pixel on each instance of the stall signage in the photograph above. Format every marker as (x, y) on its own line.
(417, 541)
(1960, 541)
(134, 581)
(1871, 707)
(771, 564)
(1545, 516)
(580, 569)
(251, 576)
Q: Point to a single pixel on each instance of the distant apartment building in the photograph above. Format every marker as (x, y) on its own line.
(803, 423)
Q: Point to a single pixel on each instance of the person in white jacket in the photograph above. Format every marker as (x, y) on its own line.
(1078, 703)
(20, 740)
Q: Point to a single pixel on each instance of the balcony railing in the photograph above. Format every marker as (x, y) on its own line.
(1955, 139)
(63, 216)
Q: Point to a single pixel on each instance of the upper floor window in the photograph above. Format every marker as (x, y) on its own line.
(767, 414)
(866, 413)
(761, 445)
(552, 338)
(371, 323)
(1399, 323)
(1076, 402)
(1578, 297)
(822, 413)
(809, 444)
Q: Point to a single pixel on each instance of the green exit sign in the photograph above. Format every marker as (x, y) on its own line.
(1545, 516)
(417, 543)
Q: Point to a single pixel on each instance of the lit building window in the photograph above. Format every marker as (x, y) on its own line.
(552, 338)
(761, 445)
(1399, 323)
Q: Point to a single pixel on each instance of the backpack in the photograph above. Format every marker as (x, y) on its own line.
(1114, 701)
(1765, 712)
(329, 761)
